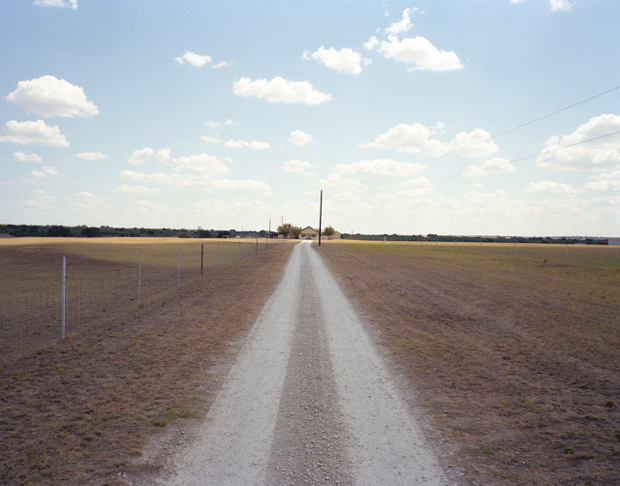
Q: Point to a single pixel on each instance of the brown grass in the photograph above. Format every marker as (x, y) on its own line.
(516, 362)
(80, 411)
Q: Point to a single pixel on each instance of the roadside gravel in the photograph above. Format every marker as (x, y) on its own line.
(309, 400)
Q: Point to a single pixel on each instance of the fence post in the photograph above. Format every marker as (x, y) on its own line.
(566, 259)
(218, 255)
(239, 250)
(202, 254)
(139, 277)
(64, 266)
(515, 250)
(588, 256)
(178, 267)
(229, 253)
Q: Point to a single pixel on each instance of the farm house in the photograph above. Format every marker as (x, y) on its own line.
(309, 233)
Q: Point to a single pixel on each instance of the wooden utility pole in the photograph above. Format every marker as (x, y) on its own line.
(320, 216)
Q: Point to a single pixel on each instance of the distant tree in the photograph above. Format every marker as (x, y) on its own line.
(90, 232)
(203, 233)
(295, 231)
(285, 229)
(329, 231)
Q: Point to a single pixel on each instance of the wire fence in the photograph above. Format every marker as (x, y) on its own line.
(39, 299)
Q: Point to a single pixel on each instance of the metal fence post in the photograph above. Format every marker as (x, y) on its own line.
(139, 277)
(566, 259)
(64, 266)
(202, 256)
(218, 255)
(178, 267)
(515, 250)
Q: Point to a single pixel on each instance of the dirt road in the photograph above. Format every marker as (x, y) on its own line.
(308, 401)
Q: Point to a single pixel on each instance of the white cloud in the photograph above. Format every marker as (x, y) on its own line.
(403, 25)
(297, 166)
(51, 97)
(242, 143)
(474, 144)
(280, 90)
(345, 60)
(209, 139)
(481, 198)
(419, 183)
(140, 156)
(496, 164)
(91, 156)
(44, 172)
(371, 43)
(516, 1)
(33, 133)
(57, 3)
(241, 185)
(86, 201)
(163, 155)
(605, 182)
(417, 51)
(300, 138)
(602, 154)
(194, 59)
(212, 124)
(229, 122)
(550, 187)
(408, 138)
(22, 157)
(220, 64)
(136, 189)
(557, 5)
(365, 169)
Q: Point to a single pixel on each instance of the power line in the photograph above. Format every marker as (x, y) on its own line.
(514, 161)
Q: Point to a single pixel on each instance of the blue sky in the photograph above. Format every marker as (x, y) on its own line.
(227, 114)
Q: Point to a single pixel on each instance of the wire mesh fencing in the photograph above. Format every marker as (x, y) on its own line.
(38, 301)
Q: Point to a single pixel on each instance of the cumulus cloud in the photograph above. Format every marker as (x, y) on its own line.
(280, 90)
(496, 165)
(140, 156)
(50, 97)
(201, 171)
(297, 166)
(194, 59)
(601, 154)
(44, 172)
(419, 183)
(91, 156)
(33, 133)
(408, 138)
(403, 25)
(243, 185)
(209, 139)
(212, 124)
(300, 138)
(474, 144)
(557, 5)
(516, 1)
(550, 187)
(136, 189)
(22, 157)
(220, 64)
(57, 3)
(242, 143)
(163, 155)
(345, 60)
(417, 51)
(365, 169)
(87, 201)
(605, 182)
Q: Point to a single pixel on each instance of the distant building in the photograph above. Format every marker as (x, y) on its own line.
(309, 233)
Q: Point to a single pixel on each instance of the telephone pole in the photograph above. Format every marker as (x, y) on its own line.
(320, 216)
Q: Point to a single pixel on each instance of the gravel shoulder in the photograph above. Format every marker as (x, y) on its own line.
(308, 400)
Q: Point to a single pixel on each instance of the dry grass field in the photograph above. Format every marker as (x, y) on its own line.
(517, 361)
(79, 411)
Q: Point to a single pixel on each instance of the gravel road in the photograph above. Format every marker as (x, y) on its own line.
(309, 400)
